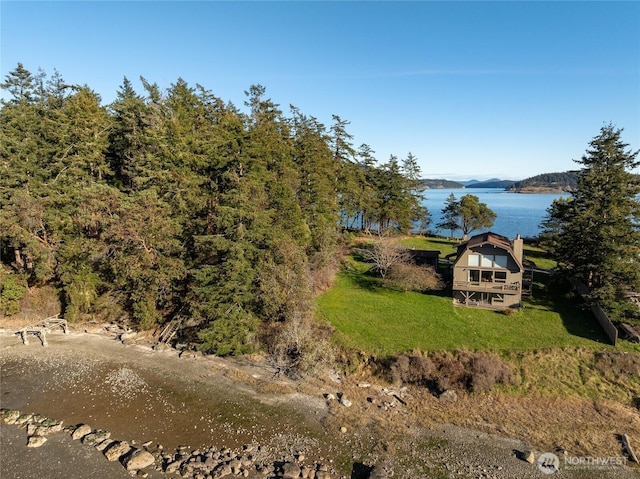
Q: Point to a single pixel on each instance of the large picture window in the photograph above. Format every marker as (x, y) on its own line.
(488, 260)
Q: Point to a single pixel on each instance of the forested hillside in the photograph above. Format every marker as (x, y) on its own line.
(430, 184)
(174, 204)
(565, 181)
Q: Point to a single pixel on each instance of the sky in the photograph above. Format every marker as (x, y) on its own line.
(479, 89)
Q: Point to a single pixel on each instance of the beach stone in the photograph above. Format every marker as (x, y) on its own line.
(116, 450)
(528, 456)
(449, 396)
(10, 416)
(235, 466)
(96, 437)
(323, 475)
(290, 470)
(81, 431)
(35, 430)
(23, 418)
(172, 467)
(39, 418)
(377, 473)
(223, 470)
(345, 402)
(138, 459)
(102, 445)
(52, 426)
(89, 439)
(36, 441)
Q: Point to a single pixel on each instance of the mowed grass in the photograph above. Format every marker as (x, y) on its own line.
(380, 321)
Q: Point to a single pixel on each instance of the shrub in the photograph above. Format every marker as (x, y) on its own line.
(412, 277)
(231, 334)
(486, 370)
(474, 372)
(300, 347)
(615, 364)
(414, 369)
(12, 289)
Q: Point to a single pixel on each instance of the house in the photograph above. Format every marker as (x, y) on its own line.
(488, 272)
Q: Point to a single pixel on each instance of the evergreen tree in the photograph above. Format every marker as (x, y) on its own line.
(449, 215)
(473, 215)
(598, 239)
(368, 199)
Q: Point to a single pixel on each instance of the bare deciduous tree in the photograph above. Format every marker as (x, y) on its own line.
(384, 255)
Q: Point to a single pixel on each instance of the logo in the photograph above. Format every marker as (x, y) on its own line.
(548, 463)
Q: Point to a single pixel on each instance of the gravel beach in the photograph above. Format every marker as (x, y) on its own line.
(192, 402)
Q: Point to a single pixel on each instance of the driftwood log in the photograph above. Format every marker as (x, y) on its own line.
(627, 446)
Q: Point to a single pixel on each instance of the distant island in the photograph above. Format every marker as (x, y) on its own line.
(543, 183)
(566, 181)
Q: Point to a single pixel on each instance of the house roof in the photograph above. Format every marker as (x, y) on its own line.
(488, 238)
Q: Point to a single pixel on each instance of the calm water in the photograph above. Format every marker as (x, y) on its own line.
(516, 213)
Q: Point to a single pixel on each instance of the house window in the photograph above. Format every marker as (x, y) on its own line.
(487, 276)
(500, 277)
(501, 261)
(487, 261)
(474, 260)
(474, 276)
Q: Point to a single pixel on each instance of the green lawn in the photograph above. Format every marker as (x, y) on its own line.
(381, 321)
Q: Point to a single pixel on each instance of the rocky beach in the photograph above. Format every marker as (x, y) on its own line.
(111, 406)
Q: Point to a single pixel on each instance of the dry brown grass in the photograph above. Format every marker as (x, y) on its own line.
(579, 425)
(238, 375)
(575, 399)
(274, 387)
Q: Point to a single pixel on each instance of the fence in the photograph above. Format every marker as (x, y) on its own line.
(605, 323)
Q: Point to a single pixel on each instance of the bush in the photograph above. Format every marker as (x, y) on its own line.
(300, 347)
(412, 277)
(232, 334)
(487, 370)
(12, 289)
(615, 364)
(474, 372)
(414, 369)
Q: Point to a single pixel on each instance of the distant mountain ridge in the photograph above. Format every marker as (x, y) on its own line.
(492, 183)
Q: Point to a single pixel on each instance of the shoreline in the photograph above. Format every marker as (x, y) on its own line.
(234, 402)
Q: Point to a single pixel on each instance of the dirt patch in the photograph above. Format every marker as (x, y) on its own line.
(143, 395)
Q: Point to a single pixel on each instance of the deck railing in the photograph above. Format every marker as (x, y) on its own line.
(508, 288)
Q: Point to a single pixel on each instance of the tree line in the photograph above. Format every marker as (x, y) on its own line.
(173, 204)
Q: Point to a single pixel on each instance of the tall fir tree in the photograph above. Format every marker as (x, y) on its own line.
(599, 238)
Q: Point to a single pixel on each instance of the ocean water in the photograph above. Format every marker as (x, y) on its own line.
(517, 213)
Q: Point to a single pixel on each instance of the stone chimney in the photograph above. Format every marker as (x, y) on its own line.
(518, 248)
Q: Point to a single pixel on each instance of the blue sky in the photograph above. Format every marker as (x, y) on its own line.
(473, 89)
